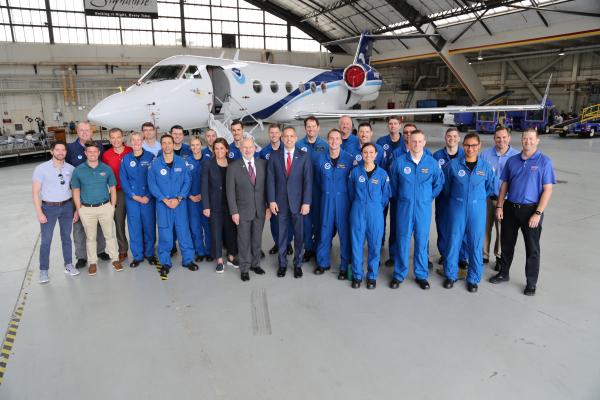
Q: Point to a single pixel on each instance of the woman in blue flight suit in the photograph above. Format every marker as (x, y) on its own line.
(369, 189)
(141, 218)
(199, 229)
(469, 182)
(331, 177)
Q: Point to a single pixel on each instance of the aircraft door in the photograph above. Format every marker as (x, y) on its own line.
(195, 97)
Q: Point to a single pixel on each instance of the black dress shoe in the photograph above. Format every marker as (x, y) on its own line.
(306, 257)
(103, 256)
(173, 251)
(486, 260)
(448, 283)
(498, 264)
(389, 262)
(371, 284)
(153, 260)
(342, 276)
(245, 276)
(135, 263)
(274, 250)
(395, 284)
(463, 264)
(258, 270)
(281, 272)
(529, 290)
(191, 266)
(208, 258)
(297, 272)
(164, 271)
(319, 271)
(355, 284)
(81, 263)
(423, 284)
(472, 287)
(262, 254)
(289, 251)
(499, 277)
(199, 258)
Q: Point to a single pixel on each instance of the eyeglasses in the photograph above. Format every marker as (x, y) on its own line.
(62, 179)
(470, 145)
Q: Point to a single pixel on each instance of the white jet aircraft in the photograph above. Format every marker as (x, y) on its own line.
(197, 92)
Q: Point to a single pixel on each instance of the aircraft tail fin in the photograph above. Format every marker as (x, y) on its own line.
(364, 49)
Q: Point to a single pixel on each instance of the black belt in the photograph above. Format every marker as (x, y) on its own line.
(95, 205)
(493, 197)
(56, 203)
(518, 205)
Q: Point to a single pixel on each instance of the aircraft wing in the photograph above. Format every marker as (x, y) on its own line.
(415, 111)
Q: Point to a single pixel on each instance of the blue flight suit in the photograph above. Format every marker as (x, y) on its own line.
(199, 224)
(467, 192)
(355, 151)
(388, 148)
(171, 182)
(265, 154)
(368, 197)
(414, 187)
(234, 152)
(335, 207)
(141, 218)
(312, 219)
(207, 154)
(442, 208)
(350, 142)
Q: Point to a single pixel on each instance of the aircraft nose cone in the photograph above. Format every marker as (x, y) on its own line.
(120, 110)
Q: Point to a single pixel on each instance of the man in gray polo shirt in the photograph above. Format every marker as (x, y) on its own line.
(51, 193)
(95, 194)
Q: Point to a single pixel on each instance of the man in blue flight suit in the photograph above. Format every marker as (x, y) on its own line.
(369, 190)
(237, 131)
(169, 182)
(139, 203)
(469, 181)
(443, 156)
(274, 132)
(289, 193)
(315, 147)
(416, 180)
(75, 157)
(365, 134)
(390, 143)
(331, 175)
(210, 135)
(345, 126)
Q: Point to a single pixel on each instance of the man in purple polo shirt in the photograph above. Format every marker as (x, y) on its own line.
(526, 188)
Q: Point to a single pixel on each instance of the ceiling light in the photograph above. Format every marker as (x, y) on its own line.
(479, 57)
(561, 52)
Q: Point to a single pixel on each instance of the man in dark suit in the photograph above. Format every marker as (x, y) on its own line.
(289, 192)
(246, 196)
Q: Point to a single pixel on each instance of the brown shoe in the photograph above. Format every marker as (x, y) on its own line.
(92, 269)
(122, 256)
(118, 266)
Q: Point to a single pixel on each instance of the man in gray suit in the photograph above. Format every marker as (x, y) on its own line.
(246, 196)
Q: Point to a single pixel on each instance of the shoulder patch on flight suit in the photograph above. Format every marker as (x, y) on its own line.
(163, 171)
(361, 179)
(132, 164)
(461, 173)
(407, 170)
(304, 149)
(386, 146)
(441, 162)
(327, 165)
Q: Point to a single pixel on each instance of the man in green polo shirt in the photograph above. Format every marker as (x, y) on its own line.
(95, 196)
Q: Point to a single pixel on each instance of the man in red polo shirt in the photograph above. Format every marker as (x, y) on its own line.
(113, 157)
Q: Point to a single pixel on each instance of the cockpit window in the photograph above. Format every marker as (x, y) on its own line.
(163, 72)
(192, 73)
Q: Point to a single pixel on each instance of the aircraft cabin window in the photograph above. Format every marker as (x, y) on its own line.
(323, 87)
(257, 86)
(163, 72)
(301, 87)
(274, 87)
(313, 87)
(192, 73)
(288, 87)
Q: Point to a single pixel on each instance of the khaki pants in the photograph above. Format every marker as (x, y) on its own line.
(90, 218)
(489, 222)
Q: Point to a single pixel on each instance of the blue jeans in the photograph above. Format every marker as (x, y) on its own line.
(64, 215)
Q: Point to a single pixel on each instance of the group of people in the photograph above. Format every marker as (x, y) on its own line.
(211, 195)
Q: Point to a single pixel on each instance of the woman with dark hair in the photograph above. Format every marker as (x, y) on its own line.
(369, 190)
(214, 204)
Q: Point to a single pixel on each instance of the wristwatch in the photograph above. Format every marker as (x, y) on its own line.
(538, 212)
(179, 198)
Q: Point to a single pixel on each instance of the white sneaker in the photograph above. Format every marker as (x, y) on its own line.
(71, 270)
(44, 278)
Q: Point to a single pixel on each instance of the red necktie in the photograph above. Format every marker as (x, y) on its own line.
(288, 164)
(251, 173)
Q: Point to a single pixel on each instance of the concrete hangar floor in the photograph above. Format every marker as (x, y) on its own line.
(200, 335)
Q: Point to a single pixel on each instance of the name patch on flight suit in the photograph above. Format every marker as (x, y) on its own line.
(143, 164)
(480, 173)
(177, 169)
(102, 173)
(374, 181)
(534, 167)
(341, 166)
(424, 170)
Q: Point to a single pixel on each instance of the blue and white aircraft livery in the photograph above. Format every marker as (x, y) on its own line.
(192, 90)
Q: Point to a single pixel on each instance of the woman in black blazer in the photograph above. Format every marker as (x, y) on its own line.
(214, 204)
